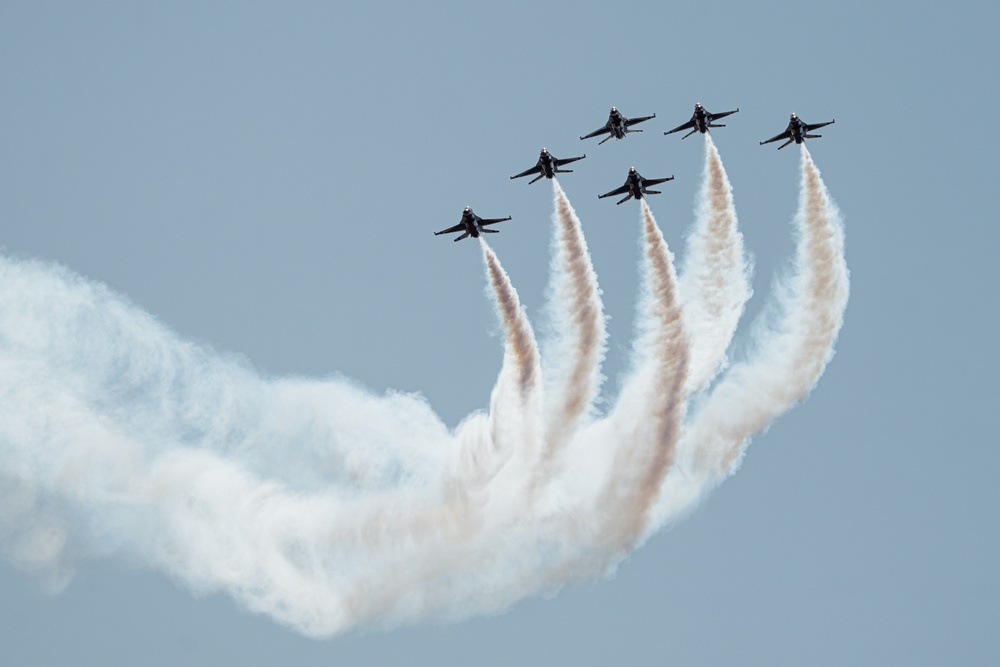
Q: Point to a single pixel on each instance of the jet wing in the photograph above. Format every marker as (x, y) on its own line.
(717, 116)
(567, 160)
(686, 126)
(816, 126)
(617, 191)
(635, 121)
(457, 228)
(646, 182)
(534, 170)
(787, 134)
(491, 221)
(603, 130)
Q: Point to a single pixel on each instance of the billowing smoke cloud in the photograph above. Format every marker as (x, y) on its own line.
(324, 506)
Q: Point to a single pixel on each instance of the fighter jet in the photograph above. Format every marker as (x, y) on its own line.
(635, 186)
(798, 132)
(617, 126)
(472, 225)
(701, 121)
(548, 166)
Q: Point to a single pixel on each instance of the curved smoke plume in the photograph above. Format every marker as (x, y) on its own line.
(325, 506)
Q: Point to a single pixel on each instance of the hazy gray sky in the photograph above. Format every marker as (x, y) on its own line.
(265, 180)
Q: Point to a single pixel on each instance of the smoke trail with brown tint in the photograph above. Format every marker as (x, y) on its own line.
(792, 352)
(516, 402)
(520, 339)
(587, 536)
(418, 547)
(714, 282)
(649, 412)
(482, 519)
(574, 353)
(324, 505)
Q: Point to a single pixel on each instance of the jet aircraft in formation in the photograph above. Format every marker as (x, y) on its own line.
(472, 225)
(548, 166)
(701, 120)
(617, 126)
(797, 131)
(636, 186)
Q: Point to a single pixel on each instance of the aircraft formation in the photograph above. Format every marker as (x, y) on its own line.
(619, 126)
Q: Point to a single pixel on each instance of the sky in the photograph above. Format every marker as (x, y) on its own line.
(265, 181)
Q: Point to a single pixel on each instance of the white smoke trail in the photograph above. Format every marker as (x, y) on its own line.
(715, 278)
(424, 550)
(32, 536)
(574, 354)
(515, 407)
(421, 551)
(190, 462)
(648, 414)
(324, 506)
(791, 356)
(600, 517)
(69, 338)
(596, 526)
(537, 551)
(533, 548)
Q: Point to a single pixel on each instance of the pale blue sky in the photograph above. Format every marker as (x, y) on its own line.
(265, 179)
